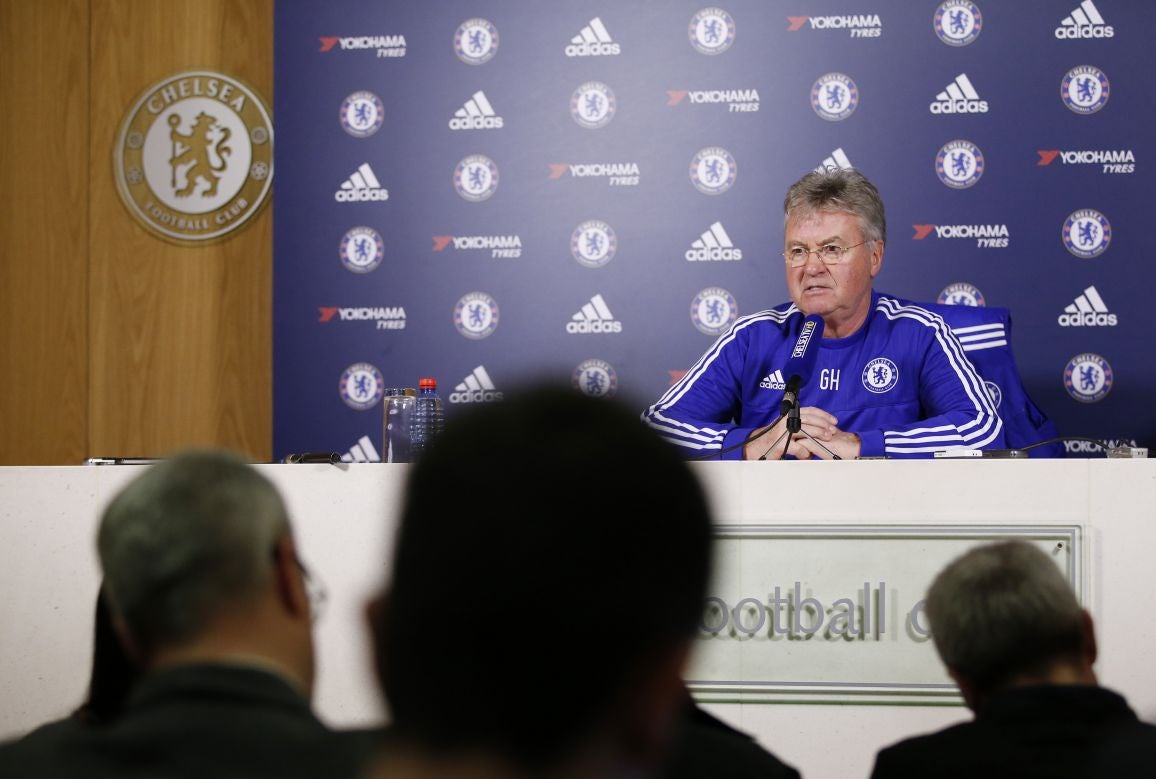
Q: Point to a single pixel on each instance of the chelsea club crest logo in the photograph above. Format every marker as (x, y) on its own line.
(834, 96)
(959, 164)
(713, 170)
(193, 158)
(476, 315)
(1085, 89)
(476, 41)
(593, 243)
(994, 392)
(362, 249)
(1088, 377)
(1087, 233)
(713, 310)
(961, 294)
(712, 31)
(476, 178)
(957, 22)
(362, 386)
(593, 105)
(362, 114)
(880, 375)
(596, 378)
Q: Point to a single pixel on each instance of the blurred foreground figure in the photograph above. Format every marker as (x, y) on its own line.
(705, 747)
(545, 587)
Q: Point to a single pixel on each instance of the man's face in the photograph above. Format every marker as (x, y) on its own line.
(840, 293)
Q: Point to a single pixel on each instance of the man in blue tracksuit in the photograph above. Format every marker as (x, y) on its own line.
(889, 377)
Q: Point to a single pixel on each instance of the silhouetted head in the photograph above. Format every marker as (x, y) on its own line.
(553, 551)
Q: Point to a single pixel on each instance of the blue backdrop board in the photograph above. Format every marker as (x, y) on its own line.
(490, 191)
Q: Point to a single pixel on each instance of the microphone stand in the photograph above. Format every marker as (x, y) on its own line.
(795, 425)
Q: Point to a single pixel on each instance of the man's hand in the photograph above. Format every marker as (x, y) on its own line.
(845, 445)
(815, 421)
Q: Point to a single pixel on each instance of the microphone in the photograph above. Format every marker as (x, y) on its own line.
(313, 457)
(801, 364)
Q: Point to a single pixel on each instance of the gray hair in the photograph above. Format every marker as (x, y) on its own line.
(838, 189)
(1003, 609)
(185, 539)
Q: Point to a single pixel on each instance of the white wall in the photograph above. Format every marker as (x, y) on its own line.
(344, 518)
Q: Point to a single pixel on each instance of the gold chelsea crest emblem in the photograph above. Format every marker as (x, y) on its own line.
(194, 156)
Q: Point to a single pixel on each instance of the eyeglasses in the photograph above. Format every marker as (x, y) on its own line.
(314, 591)
(828, 254)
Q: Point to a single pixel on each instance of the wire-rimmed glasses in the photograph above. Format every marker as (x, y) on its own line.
(828, 254)
(314, 590)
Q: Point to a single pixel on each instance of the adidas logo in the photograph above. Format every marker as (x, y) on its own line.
(361, 186)
(774, 381)
(475, 388)
(959, 97)
(1088, 310)
(362, 452)
(476, 114)
(837, 160)
(1084, 22)
(594, 317)
(714, 244)
(592, 41)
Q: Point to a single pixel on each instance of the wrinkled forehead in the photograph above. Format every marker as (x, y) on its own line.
(826, 221)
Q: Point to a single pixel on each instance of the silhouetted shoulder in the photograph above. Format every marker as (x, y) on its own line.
(914, 757)
(1036, 732)
(706, 747)
(51, 744)
(1129, 752)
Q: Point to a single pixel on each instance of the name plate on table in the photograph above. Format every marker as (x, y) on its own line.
(834, 614)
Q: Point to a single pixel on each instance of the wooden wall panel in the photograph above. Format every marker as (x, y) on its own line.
(113, 341)
(181, 336)
(43, 231)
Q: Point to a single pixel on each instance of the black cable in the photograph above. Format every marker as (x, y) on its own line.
(1058, 439)
(749, 439)
(1064, 438)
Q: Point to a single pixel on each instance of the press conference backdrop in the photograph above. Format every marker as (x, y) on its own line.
(491, 191)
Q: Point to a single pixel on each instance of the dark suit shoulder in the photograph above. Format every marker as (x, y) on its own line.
(47, 750)
(914, 756)
(1045, 731)
(708, 748)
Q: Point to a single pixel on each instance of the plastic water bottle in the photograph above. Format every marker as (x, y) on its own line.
(427, 419)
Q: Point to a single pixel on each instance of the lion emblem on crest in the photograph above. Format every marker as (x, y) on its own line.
(194, 150)
(194, 156)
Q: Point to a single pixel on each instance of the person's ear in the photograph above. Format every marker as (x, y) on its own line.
(876, 258)
(124, 636)
(1088, 629)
